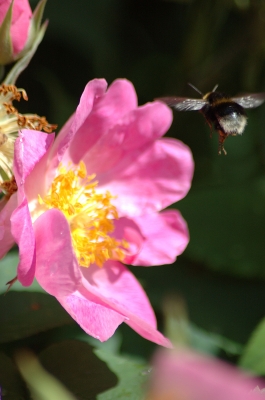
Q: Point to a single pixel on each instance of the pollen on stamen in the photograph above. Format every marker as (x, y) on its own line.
(90, 215)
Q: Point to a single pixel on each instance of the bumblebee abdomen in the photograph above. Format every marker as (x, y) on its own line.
(231, 117)
(228, 107)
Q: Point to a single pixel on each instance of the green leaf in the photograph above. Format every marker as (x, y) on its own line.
(253, 357)
(78, 368)
(23, 314)
(212, 343)
(12, 385)
(181, 331)
(132, 377)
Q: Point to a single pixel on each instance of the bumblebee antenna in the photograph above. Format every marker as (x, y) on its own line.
(194, 87)
(216, 86)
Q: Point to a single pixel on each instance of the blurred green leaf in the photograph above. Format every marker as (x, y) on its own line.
(212, 343)
(12, 386)
(78, 368)
(253, 357)
(181, 331)
(23, 314)
(132, 377)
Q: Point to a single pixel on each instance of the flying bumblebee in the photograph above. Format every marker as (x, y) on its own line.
(223, 113)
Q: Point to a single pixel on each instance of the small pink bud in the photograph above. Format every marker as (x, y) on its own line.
(18, 28)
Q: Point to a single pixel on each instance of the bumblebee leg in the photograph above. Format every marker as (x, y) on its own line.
(221, 141)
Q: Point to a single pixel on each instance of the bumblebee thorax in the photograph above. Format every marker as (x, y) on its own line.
(215, 98)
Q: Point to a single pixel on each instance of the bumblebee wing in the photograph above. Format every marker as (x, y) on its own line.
(183, 103)
(250, 100)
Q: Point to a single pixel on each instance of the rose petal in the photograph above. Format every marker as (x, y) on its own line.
(144, 125)
(6, 237)
(148, 332)
(128, 230)
(30, 147)
(117, 287)
(58, 271)
(61, 144)
(134, 130)
(166, 236)
(94, 89)
(22, 231)
(108, 109)
(151, 179)
(94, 318)
(186, 375)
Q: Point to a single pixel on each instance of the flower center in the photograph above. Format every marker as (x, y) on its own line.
(90, 216)
(11, 121)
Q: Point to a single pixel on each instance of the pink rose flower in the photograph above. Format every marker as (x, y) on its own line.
(184, 375)
(89, 202)
(18, 28)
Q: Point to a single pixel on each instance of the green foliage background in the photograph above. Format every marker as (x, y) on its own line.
(160, 46)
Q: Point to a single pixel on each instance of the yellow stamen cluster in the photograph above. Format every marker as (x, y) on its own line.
(11, 121)
(90, 215)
